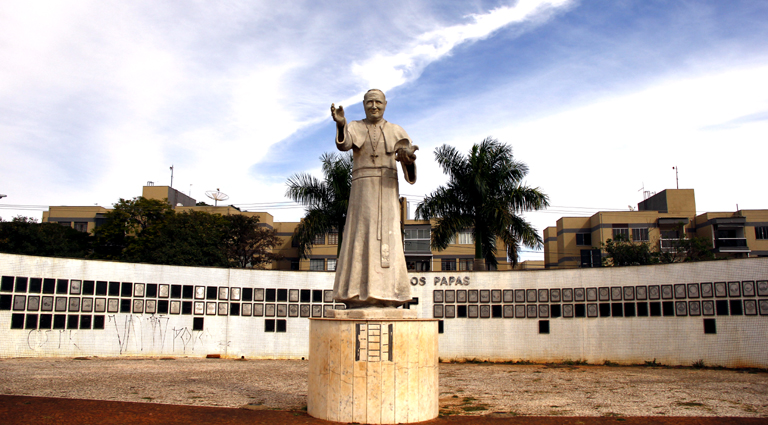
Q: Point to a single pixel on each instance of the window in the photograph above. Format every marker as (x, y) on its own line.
(318, 264)
(640, 234)
(417, 240)
(448, 265)
(591, 258)
(466, 237)
(418, 264)
(333, 238)
(66, 223)
(81, 226)
(670, 234)
(620, 231)
(726, 234)
(318, 239)
(761, 232)
(467, 264)
(294, 242)
(584, 239)
(294, 263)
(331, 266)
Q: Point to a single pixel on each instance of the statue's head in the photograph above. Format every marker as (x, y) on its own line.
(374, 103)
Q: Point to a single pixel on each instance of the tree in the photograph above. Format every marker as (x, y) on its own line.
(25, 236)
(193, 238)
(128, 220)
(689, 249)
(485, 194)
(623, 252)
(248, 244)
(326, 200)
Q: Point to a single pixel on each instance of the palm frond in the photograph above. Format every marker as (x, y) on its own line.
(484, 192)
(326, 200)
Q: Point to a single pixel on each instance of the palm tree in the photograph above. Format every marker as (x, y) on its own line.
(485, 194)
(326, 200)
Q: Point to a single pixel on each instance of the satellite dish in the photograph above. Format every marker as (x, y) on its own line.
(217, 196)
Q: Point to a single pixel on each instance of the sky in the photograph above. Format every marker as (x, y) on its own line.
(601, 99)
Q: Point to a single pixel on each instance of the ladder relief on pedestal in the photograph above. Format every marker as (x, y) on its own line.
(373, 342)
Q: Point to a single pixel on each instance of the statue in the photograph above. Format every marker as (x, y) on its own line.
(371, 269)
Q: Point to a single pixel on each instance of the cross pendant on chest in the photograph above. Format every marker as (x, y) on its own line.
(373, 157)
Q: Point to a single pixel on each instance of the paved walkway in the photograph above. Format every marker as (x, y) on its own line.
(62, 411)
(225, 391)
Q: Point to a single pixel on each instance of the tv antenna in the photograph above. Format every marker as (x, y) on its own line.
(646, 193)
(217, 196)
(677, 182)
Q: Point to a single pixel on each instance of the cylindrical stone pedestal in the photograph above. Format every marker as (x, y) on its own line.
(373, 371)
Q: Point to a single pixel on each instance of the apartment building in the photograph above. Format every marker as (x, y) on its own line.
(660, 220)
(416, 236)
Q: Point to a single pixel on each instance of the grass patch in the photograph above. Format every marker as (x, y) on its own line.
(749, 409)
(480, 361)
(689, 403)
(575, 362)
(613, 415)
(653, 363)
(698, 364)
(474, 408)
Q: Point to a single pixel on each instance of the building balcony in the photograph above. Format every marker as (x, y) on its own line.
(668, 245)
(417, 246)
(731, 245)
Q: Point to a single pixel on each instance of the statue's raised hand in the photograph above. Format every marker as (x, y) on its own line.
(338, 115)
(406, 154)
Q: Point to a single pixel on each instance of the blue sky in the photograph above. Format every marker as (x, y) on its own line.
(601, 99)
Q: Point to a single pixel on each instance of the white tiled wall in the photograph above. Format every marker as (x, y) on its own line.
(740, 340)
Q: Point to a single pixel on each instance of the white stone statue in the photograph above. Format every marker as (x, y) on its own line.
(371, 269)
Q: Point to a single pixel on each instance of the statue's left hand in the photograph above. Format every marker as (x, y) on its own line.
(406, 155)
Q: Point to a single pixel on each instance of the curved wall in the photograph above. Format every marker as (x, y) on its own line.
(715, 312)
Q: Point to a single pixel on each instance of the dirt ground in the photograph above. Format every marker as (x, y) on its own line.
(501, 390)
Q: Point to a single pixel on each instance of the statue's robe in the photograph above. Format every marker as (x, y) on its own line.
(371, 269)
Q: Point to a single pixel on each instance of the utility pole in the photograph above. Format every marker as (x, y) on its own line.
(171, 175)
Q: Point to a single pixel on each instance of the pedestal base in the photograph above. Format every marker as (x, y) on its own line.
(373, 371)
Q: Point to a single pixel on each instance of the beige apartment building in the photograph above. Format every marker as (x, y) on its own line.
(659, 220)
(416, 237)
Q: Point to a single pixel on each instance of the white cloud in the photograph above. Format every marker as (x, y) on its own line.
(388, 70)
(600, 155)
